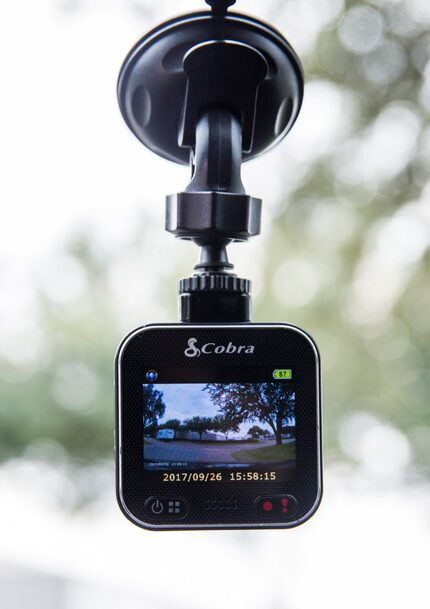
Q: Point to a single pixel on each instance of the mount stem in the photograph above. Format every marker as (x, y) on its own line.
(218, 153)
(214, 294)
(216, 168)
(219, 7)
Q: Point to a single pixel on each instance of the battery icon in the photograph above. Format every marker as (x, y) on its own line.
(282, 375)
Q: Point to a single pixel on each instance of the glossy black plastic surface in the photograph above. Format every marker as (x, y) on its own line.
(217, 504)
(152, 86)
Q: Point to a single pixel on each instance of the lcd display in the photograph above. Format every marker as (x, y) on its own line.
(219, 425)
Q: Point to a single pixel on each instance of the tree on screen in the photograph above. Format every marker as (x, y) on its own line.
(153, 407)
(256, 432)
(171, 424)
(271, 403)
(198, 424)
(224, 425)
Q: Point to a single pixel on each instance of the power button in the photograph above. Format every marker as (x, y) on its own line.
(157, 507)
(167, 507)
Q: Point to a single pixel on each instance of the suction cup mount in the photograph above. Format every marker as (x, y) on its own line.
(212, 89)
(153, 80)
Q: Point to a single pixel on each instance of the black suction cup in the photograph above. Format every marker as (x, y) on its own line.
(258, 76)
(212, 89)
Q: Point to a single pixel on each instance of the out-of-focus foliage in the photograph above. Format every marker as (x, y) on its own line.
(57, 376)
(345, 256)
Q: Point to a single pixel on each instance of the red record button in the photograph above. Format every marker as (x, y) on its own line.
(279, 506)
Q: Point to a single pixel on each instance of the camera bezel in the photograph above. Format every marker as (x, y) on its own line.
(131, 475)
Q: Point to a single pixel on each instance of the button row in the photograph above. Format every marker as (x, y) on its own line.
(278, 506)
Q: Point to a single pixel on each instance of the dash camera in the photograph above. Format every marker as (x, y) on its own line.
(218, 419)
(227, 434)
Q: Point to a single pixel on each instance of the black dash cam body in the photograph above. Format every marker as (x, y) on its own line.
(217, 418)
(218, 426)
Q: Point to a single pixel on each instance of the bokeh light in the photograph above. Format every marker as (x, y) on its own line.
(344, 253)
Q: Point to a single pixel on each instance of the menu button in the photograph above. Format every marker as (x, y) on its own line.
(167, 508)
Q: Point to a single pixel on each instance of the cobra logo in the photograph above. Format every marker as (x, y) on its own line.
(193, 351)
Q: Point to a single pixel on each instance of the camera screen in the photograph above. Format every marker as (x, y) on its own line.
(189, 426)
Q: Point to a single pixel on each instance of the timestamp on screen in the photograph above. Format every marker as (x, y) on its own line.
(192, 477)
(218, 476)
(252, 476)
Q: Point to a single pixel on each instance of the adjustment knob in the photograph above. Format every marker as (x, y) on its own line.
(218, 297)
(214, 282)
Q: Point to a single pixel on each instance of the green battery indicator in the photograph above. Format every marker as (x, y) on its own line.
(282, 375)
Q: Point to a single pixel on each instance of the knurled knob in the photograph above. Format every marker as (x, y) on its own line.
(214, 282)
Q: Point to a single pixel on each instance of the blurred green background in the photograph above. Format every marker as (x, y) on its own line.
(344, 254)
(84, 259)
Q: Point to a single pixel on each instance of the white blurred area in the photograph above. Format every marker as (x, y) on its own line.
(69, 162)
(367, 546)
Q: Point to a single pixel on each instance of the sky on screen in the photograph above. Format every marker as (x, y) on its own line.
(188, 400)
